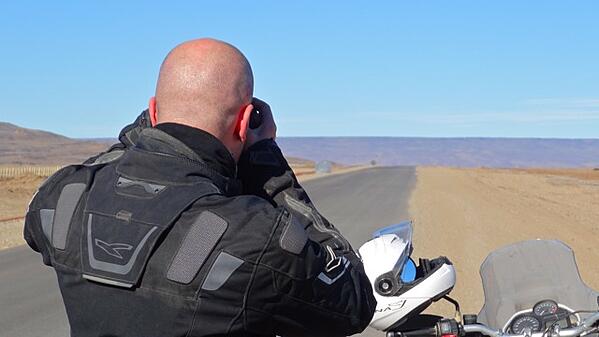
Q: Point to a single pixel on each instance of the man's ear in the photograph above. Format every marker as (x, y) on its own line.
(153, 111)
(243, 123)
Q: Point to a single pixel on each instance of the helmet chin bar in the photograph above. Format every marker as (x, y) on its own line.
(400, 303)
(390, 284)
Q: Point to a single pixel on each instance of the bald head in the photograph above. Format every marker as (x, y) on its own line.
(204, 83)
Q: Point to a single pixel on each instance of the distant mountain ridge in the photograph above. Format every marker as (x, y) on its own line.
(10, 131)
(35, 147)
(456, 152)
(21, 146)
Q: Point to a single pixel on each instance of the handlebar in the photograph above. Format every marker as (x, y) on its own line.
(586, 326)
(446, 328)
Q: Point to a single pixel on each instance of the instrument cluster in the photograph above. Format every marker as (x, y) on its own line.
(542, 316)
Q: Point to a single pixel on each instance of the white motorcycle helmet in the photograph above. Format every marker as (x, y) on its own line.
(402, 289)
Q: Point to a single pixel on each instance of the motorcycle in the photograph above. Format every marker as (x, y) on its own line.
(531, 289)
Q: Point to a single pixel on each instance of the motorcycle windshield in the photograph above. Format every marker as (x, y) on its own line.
(518, 276)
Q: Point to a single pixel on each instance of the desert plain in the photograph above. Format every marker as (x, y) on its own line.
(465, 214)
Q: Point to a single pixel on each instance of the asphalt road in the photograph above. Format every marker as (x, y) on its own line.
(30, 302)
(357, 203)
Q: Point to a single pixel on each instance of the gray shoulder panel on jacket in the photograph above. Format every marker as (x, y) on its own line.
(294, 236)
(46, 218)
(67, 202)
(221, 270)
(200, 240)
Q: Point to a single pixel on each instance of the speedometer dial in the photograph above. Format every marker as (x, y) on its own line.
(526, 322)
(547, 307)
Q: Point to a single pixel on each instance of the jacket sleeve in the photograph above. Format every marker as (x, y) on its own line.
(320, 281)
(33, 232)
(264, 172)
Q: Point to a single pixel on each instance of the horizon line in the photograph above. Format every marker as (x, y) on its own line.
(399, 137)
(354, 137)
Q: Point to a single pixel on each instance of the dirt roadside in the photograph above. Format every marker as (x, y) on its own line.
(15, 194)
(466, 213)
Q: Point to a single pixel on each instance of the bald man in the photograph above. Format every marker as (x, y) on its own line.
(194, 224)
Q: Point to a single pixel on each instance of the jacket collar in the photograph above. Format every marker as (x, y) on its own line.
(206, 147)
(130, 133)
(208, 159)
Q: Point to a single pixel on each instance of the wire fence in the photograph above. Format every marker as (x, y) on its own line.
(12, 219)
(16, 171)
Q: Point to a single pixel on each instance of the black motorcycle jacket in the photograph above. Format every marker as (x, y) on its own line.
(158, 237)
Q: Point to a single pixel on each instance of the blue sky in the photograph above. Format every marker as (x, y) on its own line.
(397, 68)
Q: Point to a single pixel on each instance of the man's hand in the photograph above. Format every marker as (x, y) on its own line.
(268, 129)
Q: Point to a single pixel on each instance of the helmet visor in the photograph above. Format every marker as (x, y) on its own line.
(405, 267)
(408, 272)
(402, 230)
